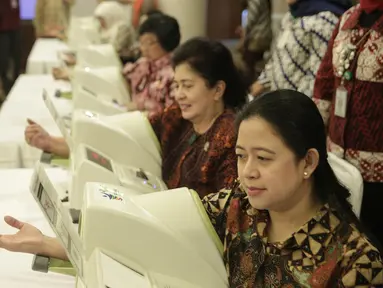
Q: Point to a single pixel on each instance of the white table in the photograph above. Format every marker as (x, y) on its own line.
(17, 201)
(25, 101)
(44, 56)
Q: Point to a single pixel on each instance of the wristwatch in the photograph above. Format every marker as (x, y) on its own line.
(41, 263)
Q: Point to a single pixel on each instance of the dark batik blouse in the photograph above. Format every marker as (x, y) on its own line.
(204, 163)
(326, 252)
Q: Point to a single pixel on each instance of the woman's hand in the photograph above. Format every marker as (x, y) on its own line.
(257, 89)
(54, 32)
(69, 59)
(37, 137)
(60, 74)
(28, 239)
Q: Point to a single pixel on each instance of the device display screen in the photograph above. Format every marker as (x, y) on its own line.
(46, 203)
(27, 9)
(98, 159)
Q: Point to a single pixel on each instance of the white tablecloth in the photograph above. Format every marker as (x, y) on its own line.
(44, 56)
(25, 101)
(17, 201)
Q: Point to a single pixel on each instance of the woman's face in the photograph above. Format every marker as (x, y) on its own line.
(267, 168)
(150, 47)
(102, 23)
(193, 95)
(289, 2)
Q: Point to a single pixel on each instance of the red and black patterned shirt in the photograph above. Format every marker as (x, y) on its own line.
(205, 163)
(359, 136)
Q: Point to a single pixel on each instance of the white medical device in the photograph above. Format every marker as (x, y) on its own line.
(62, 121)
(93, 166)
(160, 239)
(102, 90)
(98, 56)
(120, 149)
(127, 138)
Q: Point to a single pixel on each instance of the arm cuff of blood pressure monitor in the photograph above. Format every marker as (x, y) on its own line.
(45, 264)
(41, 263)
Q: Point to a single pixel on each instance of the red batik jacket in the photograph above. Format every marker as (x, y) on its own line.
(205, 163)
(359, 136)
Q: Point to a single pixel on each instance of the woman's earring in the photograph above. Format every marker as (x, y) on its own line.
(305, 174)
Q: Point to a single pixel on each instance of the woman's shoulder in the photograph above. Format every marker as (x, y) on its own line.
(172, 116)
(232, 198)
(224, 128)
(351, 16)
(324, 21)
(361, 262)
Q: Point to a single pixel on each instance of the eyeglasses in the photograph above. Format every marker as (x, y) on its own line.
(148, 44)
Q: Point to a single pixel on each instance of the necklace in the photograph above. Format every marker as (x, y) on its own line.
(347, 56)
(194, 137)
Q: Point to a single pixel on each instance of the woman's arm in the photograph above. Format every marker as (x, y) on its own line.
(324, 87)
(51, 247)
(59, 147)
(320, 35)
(29, 239)
(39, 18)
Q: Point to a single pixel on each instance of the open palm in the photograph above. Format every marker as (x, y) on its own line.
(27, 240)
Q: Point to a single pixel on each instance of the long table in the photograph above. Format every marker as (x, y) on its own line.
(25, 101)
(44, 56)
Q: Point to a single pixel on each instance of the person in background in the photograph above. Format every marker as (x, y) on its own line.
(114, 29)
(52, 18)
(142, 7)
(301, 45)
(256, 39)
(348, 92)
(10, 42)
(287, 222)
(196, 133)
(135, 52)
(150, 77)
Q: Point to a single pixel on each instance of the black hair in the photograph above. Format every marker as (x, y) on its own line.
(295, 117)
(165, 27)
(153, 12)
(213, 62)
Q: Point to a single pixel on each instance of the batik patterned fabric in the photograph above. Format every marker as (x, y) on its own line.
(204, 163)
(258, 30)
(151, 83)
(326, 252)
(298, 52)
(359, 136)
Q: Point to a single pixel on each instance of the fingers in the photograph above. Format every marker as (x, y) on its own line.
(31, 122)
(13, 222)
(31, 131)
(36, 141)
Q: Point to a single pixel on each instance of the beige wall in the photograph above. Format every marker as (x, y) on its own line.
(279, 6)
(83, 8)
